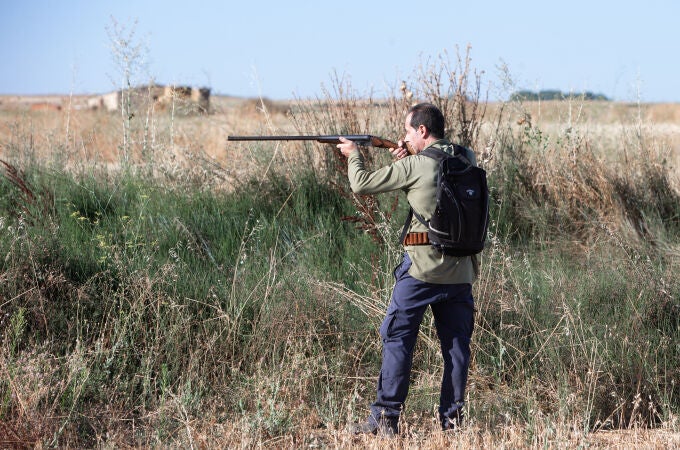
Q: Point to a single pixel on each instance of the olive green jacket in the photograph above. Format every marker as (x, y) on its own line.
(416, 176)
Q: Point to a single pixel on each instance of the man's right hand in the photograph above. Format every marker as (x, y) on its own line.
(401, 151)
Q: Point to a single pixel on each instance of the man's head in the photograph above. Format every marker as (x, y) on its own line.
(424, 124)
(430, 116)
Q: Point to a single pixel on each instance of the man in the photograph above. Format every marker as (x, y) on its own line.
(426, 277)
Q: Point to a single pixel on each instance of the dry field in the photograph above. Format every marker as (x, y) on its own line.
(64, 131)
(63, 127)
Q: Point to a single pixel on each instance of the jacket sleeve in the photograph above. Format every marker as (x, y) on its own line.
(386, 179)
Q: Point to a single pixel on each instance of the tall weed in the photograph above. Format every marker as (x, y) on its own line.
(150, 307)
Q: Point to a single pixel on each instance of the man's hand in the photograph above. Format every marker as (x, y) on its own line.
(401, 151)
(346, 146)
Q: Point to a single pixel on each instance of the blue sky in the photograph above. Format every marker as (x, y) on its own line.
(623, 49)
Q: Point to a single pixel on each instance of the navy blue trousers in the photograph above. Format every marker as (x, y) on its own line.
(453, 310)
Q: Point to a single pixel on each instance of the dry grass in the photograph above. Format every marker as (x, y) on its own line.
(573, 155)
(610, 127)
(81, 136)
(199, 434)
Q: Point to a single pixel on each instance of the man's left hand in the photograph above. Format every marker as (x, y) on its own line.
(346, 146)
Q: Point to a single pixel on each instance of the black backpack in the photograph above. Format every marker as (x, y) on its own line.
(459, 224)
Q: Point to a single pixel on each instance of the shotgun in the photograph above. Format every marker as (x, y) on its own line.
(360, 139)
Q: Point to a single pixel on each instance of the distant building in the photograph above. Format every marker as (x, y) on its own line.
(182, 99)
(45, 106)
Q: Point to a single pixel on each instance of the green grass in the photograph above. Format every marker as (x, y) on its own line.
(148, 298)
(142, 278)
(158, 310)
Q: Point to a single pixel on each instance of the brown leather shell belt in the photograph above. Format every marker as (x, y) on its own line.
(416, 239)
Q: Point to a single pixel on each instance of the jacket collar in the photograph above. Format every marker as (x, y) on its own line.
(443, 145)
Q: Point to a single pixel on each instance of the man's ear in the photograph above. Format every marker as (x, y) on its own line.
(422, 129)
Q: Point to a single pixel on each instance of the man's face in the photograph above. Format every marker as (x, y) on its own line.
(414, 136)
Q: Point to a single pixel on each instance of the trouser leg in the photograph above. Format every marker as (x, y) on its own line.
(399, 331)
(454, 319)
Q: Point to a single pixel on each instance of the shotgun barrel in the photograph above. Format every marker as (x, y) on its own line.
(361, 139)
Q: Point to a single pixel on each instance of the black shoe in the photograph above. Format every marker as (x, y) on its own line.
(386, 427)
(452, 423)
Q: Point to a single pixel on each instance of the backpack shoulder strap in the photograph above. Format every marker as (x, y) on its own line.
(407, 222)
(435, 153)
(461, 152)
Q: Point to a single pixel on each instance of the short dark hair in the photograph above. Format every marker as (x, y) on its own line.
(429, 115)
